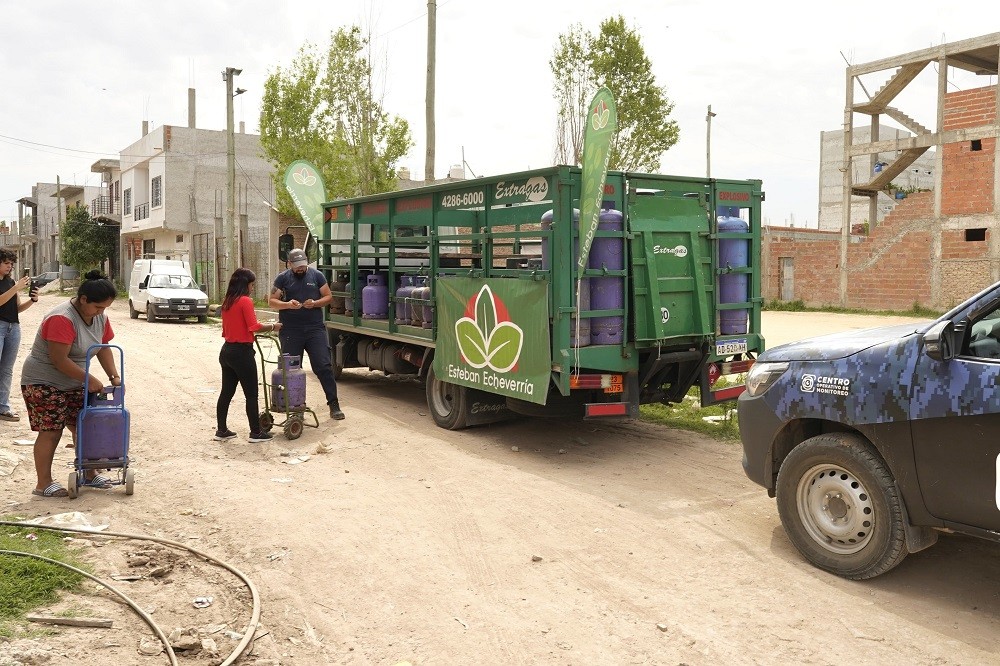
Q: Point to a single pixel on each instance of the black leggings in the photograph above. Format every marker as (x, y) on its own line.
(238, 367)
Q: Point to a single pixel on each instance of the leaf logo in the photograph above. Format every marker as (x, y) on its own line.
(488, 339)
(600, 116)
(304, 177)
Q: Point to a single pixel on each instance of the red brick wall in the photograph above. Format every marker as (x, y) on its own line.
(968, 174)
(887, 270)
(890, 269)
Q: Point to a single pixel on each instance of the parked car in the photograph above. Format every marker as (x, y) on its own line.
(44, 278)
(164, 288)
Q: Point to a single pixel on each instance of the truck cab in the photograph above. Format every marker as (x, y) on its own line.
(164, 289)
(875, 441)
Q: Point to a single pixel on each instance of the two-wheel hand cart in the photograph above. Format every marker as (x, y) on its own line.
(284, 389)
(102, 431)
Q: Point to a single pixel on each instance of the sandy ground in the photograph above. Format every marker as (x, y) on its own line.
(621, 543)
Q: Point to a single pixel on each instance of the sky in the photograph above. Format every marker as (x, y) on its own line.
(77, 79)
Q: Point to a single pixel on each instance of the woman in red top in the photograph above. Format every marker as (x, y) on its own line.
(239, 323)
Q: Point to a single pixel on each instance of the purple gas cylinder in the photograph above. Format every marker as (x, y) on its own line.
(417, 311)
(607, 293)
(427, 316)
(349, 299)
(375, 298)
(584, 338)
(289, 384)
(404, 308)
(103, 426)
(733, 253)
(340, 283)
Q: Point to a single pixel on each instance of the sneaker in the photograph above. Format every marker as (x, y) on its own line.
(336, 414)
(9, 416)
(224, 435)
(260, 437)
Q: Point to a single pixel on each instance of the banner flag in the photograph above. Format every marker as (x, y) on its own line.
(305, 185)
(602, 123)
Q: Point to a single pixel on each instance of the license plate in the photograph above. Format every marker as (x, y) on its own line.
(183, 307)
(730, 347)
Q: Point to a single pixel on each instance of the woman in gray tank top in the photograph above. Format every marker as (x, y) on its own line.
(53, 376)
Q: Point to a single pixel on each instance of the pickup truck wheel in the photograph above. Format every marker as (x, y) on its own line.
(202, 319)
(150, 312)
(132, 312)
(840, 508)
(448, 402)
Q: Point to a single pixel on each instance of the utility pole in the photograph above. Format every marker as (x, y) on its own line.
(708, 142)
(431, 48)
(232, 236)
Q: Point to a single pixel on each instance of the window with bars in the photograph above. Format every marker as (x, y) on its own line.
(127, 204)
(157, 188)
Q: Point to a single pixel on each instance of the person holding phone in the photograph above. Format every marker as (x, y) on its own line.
(10, 328)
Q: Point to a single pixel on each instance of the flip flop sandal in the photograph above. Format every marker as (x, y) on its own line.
(98, 481)
(53, 490)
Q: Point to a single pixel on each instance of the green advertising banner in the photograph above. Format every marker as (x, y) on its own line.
(493, 335)
(602, 123)
(305, 185)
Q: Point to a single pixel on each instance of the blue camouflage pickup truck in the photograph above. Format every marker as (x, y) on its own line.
(875, 441)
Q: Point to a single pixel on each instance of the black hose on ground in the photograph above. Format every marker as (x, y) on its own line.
(251, 629)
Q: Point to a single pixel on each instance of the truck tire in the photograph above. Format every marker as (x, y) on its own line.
(150, 312)
(840, 508)
(448, 402)
(132, 312)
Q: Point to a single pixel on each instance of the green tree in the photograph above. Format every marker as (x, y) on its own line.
(615, 58)
(325, 108)
(87, 243)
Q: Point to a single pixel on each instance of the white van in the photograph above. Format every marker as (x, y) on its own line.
(164, 288)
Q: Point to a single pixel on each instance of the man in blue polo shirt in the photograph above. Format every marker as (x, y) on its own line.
(299, 295)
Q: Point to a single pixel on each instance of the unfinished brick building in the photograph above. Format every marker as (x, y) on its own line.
(936, 247)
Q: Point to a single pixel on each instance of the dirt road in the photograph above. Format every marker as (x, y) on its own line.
(589, 544)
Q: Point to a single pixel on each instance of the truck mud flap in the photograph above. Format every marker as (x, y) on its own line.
(483, 407)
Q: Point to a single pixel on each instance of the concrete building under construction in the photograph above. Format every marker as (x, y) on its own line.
(938, 244)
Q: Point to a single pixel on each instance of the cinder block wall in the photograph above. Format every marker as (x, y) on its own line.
(892, 267)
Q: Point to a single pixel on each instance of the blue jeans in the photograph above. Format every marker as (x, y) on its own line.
(10, 340)
(315, 342)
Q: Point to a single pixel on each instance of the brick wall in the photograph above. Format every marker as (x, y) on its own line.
(892, 267)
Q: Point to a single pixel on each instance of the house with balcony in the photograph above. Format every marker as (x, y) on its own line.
(169, 192)
(39, 216)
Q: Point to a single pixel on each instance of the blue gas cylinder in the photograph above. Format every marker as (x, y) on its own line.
(733, 253)
(375, 298)
(579, 335)
(289, 384)
(103, 427)
(607, 293)
(404, 308)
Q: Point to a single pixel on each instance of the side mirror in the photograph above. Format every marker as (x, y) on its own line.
(939, 341)
(142, 285)
(286, 242)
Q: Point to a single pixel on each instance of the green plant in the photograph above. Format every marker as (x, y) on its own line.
(26, 582)
(690, 415)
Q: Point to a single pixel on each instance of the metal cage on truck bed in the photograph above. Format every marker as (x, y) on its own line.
(474, 285)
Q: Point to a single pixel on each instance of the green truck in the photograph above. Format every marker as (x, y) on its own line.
(475, 287)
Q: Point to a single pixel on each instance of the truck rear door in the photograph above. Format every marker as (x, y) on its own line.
(671, 266)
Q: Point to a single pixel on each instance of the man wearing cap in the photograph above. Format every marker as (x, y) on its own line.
(299, 295)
